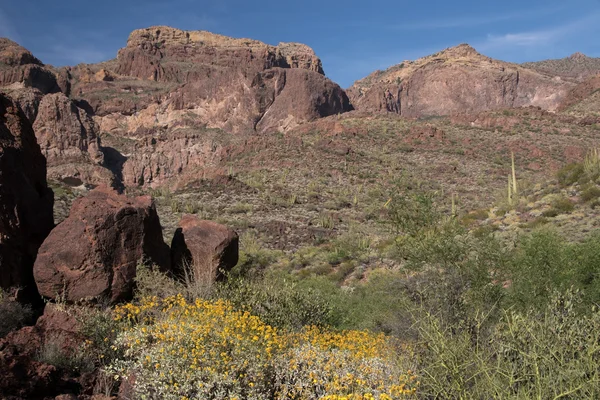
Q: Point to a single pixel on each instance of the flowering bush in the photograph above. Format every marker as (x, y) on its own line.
(210, 350)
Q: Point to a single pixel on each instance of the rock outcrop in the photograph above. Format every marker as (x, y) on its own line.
(456, 80)
(162, 86)
(167, 87)
(581, 92)
(26, 216)
(24, 375)
(94, 253)
(165, 75)
(67, 136)
(207, 248)
(19, 67)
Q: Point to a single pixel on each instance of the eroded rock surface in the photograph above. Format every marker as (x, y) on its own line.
(94, 253)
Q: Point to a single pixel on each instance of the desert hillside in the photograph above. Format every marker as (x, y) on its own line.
(208, 217)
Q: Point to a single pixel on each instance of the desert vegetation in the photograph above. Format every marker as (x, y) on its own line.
(458, 312)
(212, 218)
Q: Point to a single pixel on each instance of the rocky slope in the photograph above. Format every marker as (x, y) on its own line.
(577, 66)
(584, 98)
(457, 79)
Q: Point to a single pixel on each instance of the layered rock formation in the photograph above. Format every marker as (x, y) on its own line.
(94, 253)
(239, 85)
(456, 80)
(207, 248)
(26, 202)
(165, 86)
(68, 139)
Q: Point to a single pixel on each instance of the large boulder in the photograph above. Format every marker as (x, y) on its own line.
(209, 249)
(94, 253)
(26, 202)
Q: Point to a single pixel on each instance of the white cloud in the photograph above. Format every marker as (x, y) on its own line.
(520, 39)
(538, 38)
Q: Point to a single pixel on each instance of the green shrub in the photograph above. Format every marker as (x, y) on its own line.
(13, 314)
(563, 205)
(254, 259)
(279, 302)
(570, 173)
(590, 193)
(547, 355)
(100, 330)
(55, 351)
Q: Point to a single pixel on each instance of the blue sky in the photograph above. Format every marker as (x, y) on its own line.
(353, 38)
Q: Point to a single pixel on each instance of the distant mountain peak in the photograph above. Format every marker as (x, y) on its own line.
(578, 56)
(461, 50)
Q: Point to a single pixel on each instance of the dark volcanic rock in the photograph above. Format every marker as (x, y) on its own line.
(94, 253)
(26, 202)
(208, 248)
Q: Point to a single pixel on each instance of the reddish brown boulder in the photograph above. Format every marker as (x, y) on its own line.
(26, 202)
(94, 253)
(207, 247)
(23, 373)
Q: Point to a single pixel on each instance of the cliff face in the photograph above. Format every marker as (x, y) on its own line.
(456, 80)
(223, 82)
(163, 90)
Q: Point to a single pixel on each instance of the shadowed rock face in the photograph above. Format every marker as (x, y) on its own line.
(68, 138)
(26, 202)
(94, 253)
(456, 80)
(208, 248)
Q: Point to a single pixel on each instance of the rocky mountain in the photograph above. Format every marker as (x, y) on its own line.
(458, 79)
(577, 66)
(151, 101)
(173, 105)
